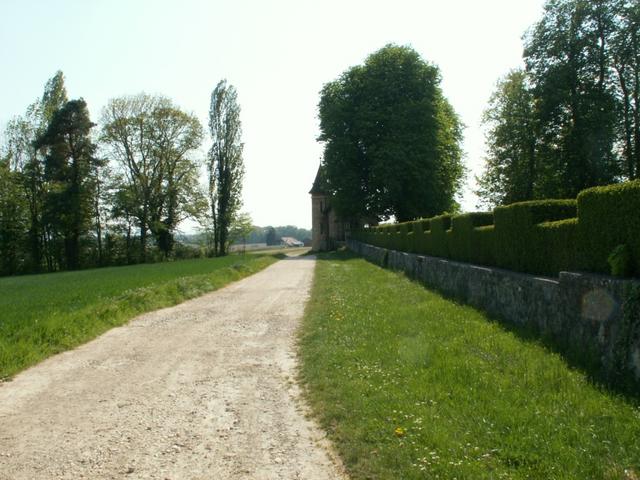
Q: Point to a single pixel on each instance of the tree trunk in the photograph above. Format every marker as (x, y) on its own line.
(628, 147)
(98, 223)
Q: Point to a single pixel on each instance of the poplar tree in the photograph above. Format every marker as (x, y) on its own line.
(225, 164)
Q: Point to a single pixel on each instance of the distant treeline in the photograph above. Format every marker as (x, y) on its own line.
(269, 235)
(74, 194)
(262, 234)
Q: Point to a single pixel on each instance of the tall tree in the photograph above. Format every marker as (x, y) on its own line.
(582, 64)
(225, 163)
(176, 135)
(241, 228)
(567, 55)
(69, 173)
(152, 140)
(391, 139)
(625, 51)
(13, 220)
(511, 171)
(270, 236)
(21, 134)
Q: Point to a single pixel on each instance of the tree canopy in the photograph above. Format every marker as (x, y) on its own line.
(225, 163)
(391, 139)
(571, 118)
(70, 168)
(152, 141)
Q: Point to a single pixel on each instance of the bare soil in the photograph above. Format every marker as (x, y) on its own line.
(205, 389)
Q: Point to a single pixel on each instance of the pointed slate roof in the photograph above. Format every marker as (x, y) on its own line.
(320, 183)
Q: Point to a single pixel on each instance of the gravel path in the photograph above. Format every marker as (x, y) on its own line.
(201, 390)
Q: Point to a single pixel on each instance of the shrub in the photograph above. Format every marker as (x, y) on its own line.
(421, 235)
(609, 216)
(437, 238)
(387, 235)
(515, 239)
(405, 237)
(556, 246)
(620, 261)
(483, 242)
(540, 237)
(461, 240)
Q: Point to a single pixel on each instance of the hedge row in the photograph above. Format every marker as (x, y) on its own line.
(539, 237)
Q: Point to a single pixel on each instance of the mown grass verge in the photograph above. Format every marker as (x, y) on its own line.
(410, 385)
(41, 315)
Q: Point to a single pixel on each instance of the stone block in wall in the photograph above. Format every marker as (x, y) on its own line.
(600, 319)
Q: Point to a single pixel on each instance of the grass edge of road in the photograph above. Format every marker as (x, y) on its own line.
(408, 384)
(32, 341)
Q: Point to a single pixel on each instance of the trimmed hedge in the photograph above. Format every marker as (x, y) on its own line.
(557, 242)
(516, 243)
(609, 216)
(539, 237)
(483, 251)
(436, 243)
(462, 244)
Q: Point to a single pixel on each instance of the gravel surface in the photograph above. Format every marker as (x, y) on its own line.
(202, 390)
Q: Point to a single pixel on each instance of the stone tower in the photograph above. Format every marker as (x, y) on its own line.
(328, 230)
(319, 214)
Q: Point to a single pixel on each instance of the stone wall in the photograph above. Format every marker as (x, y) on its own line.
(588, 315)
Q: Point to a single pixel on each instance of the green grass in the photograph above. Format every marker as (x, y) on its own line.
(41, 315)
(470, 399)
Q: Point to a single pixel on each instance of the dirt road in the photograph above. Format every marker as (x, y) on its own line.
(201, 390)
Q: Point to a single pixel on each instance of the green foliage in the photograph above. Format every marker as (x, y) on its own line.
(510, 173)
(26, 174)
(610, 216)
(13, 221)
(557, 247)
(620, 261)
(516, 245)
(39, 319)
(462, 240)
(405, 234)
(241, 228)
(225, 164)
(271, 237)
(391, 139)
(483, 245)
(420, 229)
(570, 119)
(437, 240)
(570, 62)
(152, 140)
(70, 169)
(538, 236)
(473, 400)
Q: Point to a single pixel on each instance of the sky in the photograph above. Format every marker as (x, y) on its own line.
(277, 54)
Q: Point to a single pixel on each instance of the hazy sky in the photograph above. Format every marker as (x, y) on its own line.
(277, 53)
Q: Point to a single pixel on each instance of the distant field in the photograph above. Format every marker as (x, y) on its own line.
(44, 314)
(410, 385)
(263, 248)
(250, 246)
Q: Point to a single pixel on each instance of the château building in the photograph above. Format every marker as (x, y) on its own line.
(328, 232)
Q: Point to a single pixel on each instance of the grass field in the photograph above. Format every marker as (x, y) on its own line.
(41, 315)
(410, 385)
